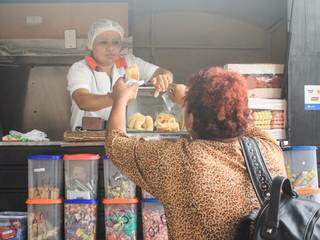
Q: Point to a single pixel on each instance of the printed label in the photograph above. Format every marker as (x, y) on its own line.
(312, 97)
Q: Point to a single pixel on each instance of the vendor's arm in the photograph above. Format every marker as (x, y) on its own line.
(79, 86)
(91, 102)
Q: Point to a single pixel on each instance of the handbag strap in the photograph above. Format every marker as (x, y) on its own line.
(280, 186)
(258, 172)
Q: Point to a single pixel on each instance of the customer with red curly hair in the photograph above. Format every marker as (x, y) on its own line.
(202, 181)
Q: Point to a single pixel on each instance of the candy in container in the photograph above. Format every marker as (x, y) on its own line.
(121, 219)
(80, 218)
(301, 166)
(45, 176)
(81, 176)
(117, 185)
(44, 219)
(13, 225)
(154, 220)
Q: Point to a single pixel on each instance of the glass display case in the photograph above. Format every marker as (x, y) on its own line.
(147, 114)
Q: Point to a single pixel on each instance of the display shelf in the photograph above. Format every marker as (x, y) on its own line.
(256, 69)
(278, 134)
(267, 104)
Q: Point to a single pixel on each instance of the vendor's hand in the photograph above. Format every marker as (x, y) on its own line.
(162, 82)
(123, 92)
(177, 93)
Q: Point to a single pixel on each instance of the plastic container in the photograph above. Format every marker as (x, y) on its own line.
(45, 176)
(310, 193)
(13, 225)
(153, 220)
(44, 219)
(116, 184)
(81, 176)
(80, 219)
(120, 219)
(301, 166)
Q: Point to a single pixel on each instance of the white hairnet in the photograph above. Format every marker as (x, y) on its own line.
(101, 26)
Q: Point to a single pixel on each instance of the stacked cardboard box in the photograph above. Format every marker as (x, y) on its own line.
(268, 109)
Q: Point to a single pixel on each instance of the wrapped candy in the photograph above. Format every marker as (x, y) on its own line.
(116, 184)
(301, 166)
(80, 218)
(154, 220)
(81, 175)
(13, 225)
(310, 193)
(121, 219)
(146, 194)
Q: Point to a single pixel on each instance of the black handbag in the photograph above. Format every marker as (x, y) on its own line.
(283, 215)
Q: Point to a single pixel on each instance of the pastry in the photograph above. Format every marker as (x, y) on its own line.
(167, 123)
(148, 124)
(138, 121)
(132, 72)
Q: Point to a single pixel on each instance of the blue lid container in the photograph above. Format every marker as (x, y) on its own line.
(80, 215)
(45, 175)
(301, 166)
(299, 148)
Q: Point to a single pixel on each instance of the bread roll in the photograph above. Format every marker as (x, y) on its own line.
(132, 120)
(148, 124)
(139, 122)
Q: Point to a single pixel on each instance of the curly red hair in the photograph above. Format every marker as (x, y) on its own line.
(218, 102)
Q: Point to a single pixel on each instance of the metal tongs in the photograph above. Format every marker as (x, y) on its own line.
(165, 96)
(167, 100)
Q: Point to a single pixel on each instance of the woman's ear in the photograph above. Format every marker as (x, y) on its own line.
(190, 122)
(188, 119)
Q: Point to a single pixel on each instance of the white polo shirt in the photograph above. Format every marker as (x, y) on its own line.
(81, 76)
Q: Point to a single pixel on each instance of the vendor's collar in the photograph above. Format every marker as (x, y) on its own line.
(92, 63)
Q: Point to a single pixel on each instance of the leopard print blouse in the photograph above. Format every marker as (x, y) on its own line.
(202, 184)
